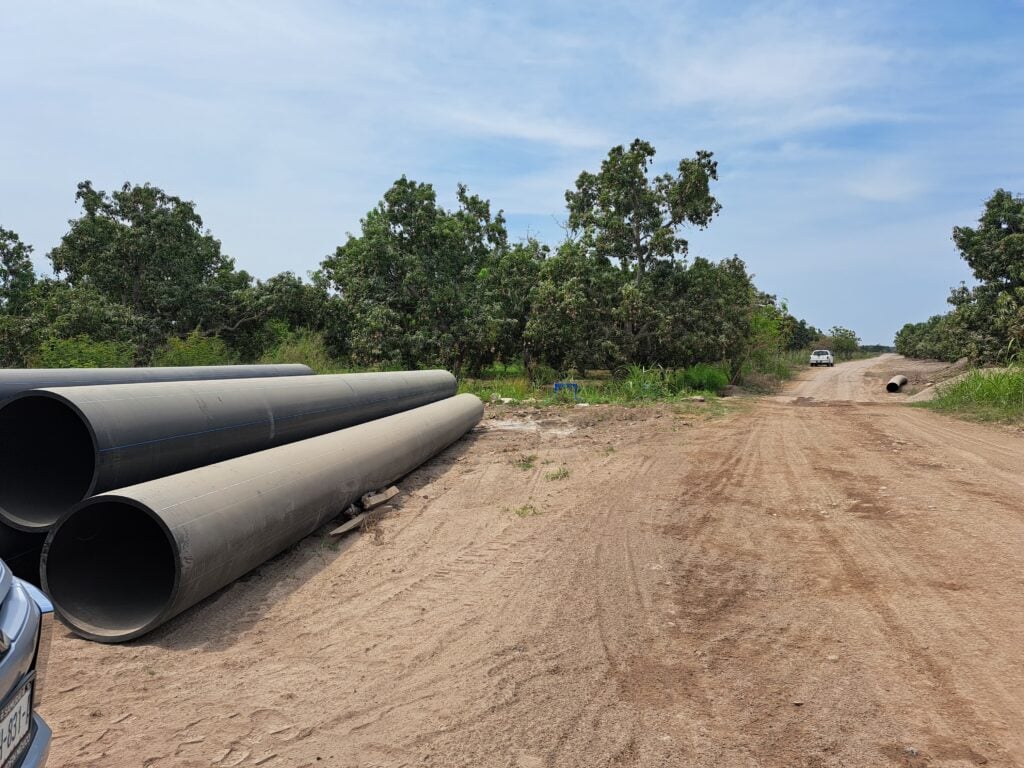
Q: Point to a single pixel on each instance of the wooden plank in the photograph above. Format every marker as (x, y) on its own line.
(352, 524)
(372, 500)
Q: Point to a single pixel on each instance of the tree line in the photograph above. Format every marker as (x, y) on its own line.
(986, 323)
(137, 279)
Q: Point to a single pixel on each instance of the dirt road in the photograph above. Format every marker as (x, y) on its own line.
(824, 578)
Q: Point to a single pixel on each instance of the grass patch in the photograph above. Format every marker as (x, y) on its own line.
(527, 510)
(983, 395)
(525, 462)
(559, 474)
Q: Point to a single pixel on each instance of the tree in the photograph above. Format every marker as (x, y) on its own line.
(992, 313)
(938, 338)
(844, 342)
(510, 279)
(715, 313)
(17, 275)
(146, 250)
(626, 216)
(262, 315)
(800, 334)
(412, 284)
(571, 324)
(623, 214)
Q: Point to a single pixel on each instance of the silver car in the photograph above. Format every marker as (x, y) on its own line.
(26, 626)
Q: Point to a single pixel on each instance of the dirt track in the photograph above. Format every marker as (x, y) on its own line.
(824, 578)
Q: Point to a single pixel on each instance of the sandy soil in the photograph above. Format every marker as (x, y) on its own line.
(825, 578)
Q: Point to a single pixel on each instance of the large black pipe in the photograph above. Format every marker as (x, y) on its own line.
(59, 446)
(120, 564)
(21, 551)
(896, 383)
(15, 380)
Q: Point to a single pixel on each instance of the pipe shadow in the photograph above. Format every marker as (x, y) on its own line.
(218, 622)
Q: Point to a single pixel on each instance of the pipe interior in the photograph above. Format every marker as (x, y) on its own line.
(110, 569)
(46, 460)
(892, 386)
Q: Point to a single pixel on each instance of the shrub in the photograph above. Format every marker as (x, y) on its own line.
(704, 377)
(544, 374)
(194, 349)
(83, 352)
(306, 347)
(989, 395)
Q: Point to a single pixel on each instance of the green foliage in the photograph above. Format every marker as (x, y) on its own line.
(527, 510)
(194, 349)
(525, 462)
(263, 315)
(509, 280)
(544, 374)
(17, 276)
(843, 342)
(985, 395)
(412, 281)
(987, 320)
(799, 334)
(573, 304)
(704, 377)
(938, 338)
(623, 214)
(82, 352)
(146, 250)
(307, 348)
(559, 474)
(418, 286)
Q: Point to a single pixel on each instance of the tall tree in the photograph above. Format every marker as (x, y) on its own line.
(510, 279)
(17, 275)
(626, 215)
(411, 280)
(571, 325)
(992, 313)
(147, 250)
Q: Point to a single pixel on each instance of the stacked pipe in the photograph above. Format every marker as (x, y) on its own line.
(21, 549)
(153, 496)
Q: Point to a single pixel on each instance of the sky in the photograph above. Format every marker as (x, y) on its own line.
(851, 137)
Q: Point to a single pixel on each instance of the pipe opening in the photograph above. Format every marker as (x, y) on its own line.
(47, 461)
(110, 569)
(892, 386)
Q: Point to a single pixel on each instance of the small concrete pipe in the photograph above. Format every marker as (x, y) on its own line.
(15, 380)
(61, 445)
(121, 564)
(896, 383)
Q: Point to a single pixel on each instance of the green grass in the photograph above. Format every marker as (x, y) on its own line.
(525, 462)
(988, 395)
(634, 386)
(559, 474)
(527, 510)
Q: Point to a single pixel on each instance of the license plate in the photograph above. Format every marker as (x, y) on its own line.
(15, 726)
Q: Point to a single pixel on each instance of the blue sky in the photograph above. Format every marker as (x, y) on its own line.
(851, 138)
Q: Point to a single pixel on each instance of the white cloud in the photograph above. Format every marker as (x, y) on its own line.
(519, 125)
(890, 180)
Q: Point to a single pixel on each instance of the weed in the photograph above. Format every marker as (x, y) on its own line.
(559, 474)
(527, 510)
(609, 449)
(525, 462)
(985, 395)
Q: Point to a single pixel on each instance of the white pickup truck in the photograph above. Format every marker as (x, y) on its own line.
(822, 357)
